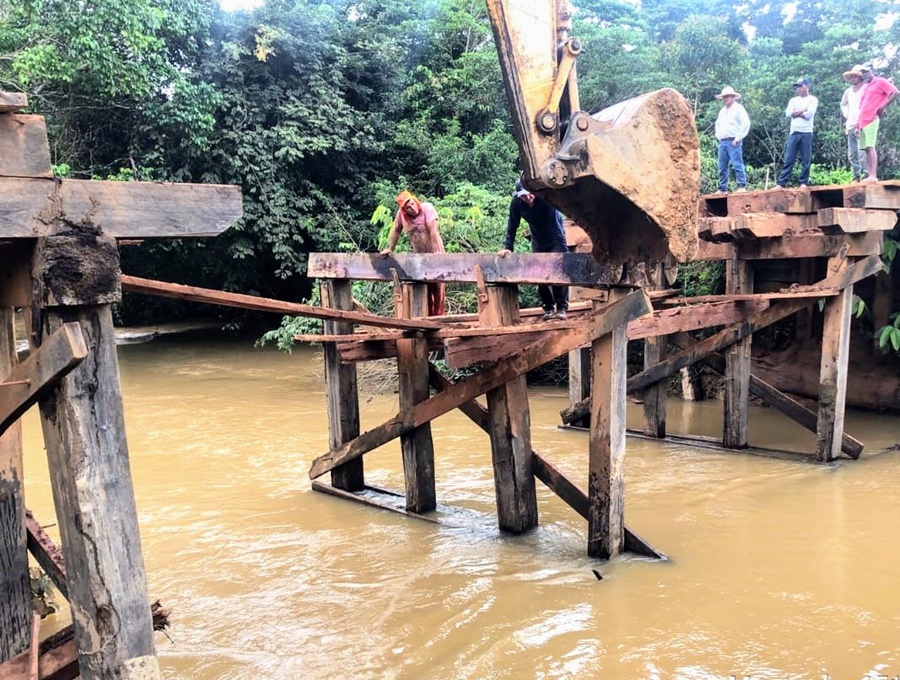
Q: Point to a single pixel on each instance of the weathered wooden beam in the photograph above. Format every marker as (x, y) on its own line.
(596, 324)
(510, 427)
(341, 389)
(416, 446)
(134, 284)
(31, 207)
(358, 497)
(833, 369)
(856, 220)
(24, 150)
(883, 195)
(770, 225)
(544, 470)
(15, 595)
(569, 269)
(46, 553)
(797, 246)
(84, 434)
(10, 102)
(773, 397)
(696, 316)
(606, 445)
(654, 397)
(736, 426)
(579, 378)
(30, 380)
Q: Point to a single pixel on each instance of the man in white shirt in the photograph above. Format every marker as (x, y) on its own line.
(802, 112)
(850, 106)
(732, 125)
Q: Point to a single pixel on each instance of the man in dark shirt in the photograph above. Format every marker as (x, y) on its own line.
(547, 236)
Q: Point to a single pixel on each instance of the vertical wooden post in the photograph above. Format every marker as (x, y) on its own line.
(803, 325)
(833, 370)
(510, 428)
(736, 431)
(417, 446)
(341, 389)
(579, 379)
(15, 595)
(606, 457)
(84, 434)
(655, 352)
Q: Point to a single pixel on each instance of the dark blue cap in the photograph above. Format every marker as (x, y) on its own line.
(802, 81)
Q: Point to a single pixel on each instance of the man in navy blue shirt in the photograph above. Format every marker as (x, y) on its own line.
(547, 236)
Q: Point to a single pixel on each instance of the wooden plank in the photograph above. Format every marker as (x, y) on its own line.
(797, 246)
(727, 337)
(597, 323)
(463, 352)
(11, 102)
(34, 655)
(570, 269)
(606, 442)
(15, 594)
(24, 150)
(833, 371)
(856, 220)
(773, 397)
(654, 397)
(46, 553)
(790, 294)
(416, 446)
(134, 284)
(371, 502)
(510, 427)
(716, 229)
(694, 317)
(580, 378)
(770, 225)
(883, 195)
(32, 379)
(40, 207)
(544, 470)
(341, 389)
(736, 426)
(84, 433)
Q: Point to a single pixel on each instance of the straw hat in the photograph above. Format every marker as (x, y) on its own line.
(728, 91)
(855, 71)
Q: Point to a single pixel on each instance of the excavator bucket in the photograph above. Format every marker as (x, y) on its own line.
(630, 174)
(636, 182)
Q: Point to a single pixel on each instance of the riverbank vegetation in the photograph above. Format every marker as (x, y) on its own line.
(322, 111)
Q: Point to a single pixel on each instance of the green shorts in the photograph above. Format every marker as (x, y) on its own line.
(868, 135)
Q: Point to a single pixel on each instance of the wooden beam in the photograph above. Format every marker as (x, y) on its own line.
(84, 433)
(654, 397)
(47, 554)
(798, 246)
(833, 370)
(606, 442)
(544, 470)
(368, 500)
(24, 150)
(856, 220)
(727, 337)
(598, 323)
(416, 446)
(10, 102)
(341, 389)
(39, 207)
(736, 427)
(773, 397)
(883, 195)
(510, 427)
(563, 269)
(15, 594)
(134, 284)
(34, 655)
(40, 372)
(580, 378)
(770, 225)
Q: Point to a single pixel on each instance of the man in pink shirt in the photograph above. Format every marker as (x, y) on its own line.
(878, 94)
(420, 222)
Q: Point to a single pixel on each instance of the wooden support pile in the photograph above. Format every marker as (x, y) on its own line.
(59, 263)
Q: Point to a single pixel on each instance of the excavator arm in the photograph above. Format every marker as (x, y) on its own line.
(630, 174)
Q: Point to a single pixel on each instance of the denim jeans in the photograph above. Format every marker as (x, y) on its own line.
(799, 143)
(733, 155)
(859, 162)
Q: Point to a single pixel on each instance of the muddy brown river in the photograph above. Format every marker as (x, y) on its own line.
(778, 568)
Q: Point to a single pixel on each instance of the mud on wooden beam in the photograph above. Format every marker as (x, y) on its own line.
(797, 246)
(11, 102)
(569, 269)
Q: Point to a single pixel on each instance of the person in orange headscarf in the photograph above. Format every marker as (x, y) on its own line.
(420, 222)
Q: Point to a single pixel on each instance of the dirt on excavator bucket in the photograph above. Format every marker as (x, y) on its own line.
(637, 182)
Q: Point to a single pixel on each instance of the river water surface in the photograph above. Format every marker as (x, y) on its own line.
(778, 569)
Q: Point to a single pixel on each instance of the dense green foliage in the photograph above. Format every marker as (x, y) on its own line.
(321, 110)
